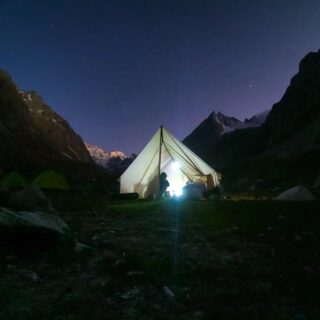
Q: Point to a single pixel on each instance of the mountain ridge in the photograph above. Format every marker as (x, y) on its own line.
(33, 137)
(215, 126)
(283, 150)
(114, 161)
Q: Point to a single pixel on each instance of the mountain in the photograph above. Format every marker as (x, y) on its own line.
(209, 132)
(116, 162)
(102, 157)
(283, 151)
(34, 137)
(58, 133)
(293, 125)
(257, 120)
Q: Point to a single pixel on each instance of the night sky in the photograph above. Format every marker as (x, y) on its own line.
(118, 69)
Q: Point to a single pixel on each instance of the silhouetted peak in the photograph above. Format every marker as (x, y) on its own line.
(311, 60)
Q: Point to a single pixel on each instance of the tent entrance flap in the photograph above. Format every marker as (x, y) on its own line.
(165, 153)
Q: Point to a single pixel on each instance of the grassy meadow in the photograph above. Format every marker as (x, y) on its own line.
(171, 259)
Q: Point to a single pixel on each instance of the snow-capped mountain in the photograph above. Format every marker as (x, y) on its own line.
(208, 133)
(225, 123)
(229, 124)
(115, 161)
(102, 157)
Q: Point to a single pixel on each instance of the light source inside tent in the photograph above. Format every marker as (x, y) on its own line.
(175, 165)
(175, 189)
(176, 178)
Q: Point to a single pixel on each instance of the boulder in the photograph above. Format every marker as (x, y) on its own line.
(297, 193)
(31, 199)
(83, 248)
(23, 228)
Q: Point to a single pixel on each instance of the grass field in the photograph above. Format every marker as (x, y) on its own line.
(172, 260)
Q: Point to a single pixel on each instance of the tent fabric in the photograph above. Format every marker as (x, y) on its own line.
(167, 153)
(51, 180)
(13, 180)
(298, 193)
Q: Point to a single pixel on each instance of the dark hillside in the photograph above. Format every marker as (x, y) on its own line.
(289, 136)
(33, 137)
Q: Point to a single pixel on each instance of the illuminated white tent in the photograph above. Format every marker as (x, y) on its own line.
(165, 153)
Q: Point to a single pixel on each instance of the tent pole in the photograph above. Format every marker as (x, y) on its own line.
(160, 147)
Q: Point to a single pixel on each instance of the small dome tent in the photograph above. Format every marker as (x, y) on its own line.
(14, 180)
(51, 180)
(297, 193)
(165, 153)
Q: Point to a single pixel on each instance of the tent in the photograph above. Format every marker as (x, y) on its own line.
(298, 193)
(14, 180)
(51, 180)
(165, 153)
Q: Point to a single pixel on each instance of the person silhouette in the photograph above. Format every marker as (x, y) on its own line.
(164, 183)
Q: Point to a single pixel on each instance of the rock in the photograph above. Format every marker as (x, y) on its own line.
(25, 273)
(233, 228)
(298, 193)
(17, 227)
(311, 271)
(168, 292)
(30, 198)
(131, 294)
(100, 238)
(120, 263)
(83, 248)
(28, 274)
(101, 282)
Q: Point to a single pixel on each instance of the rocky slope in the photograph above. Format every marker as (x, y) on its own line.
(58, 133)
(33, 136)
(283, 151)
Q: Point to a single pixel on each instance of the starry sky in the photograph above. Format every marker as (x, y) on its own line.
(117, 69)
